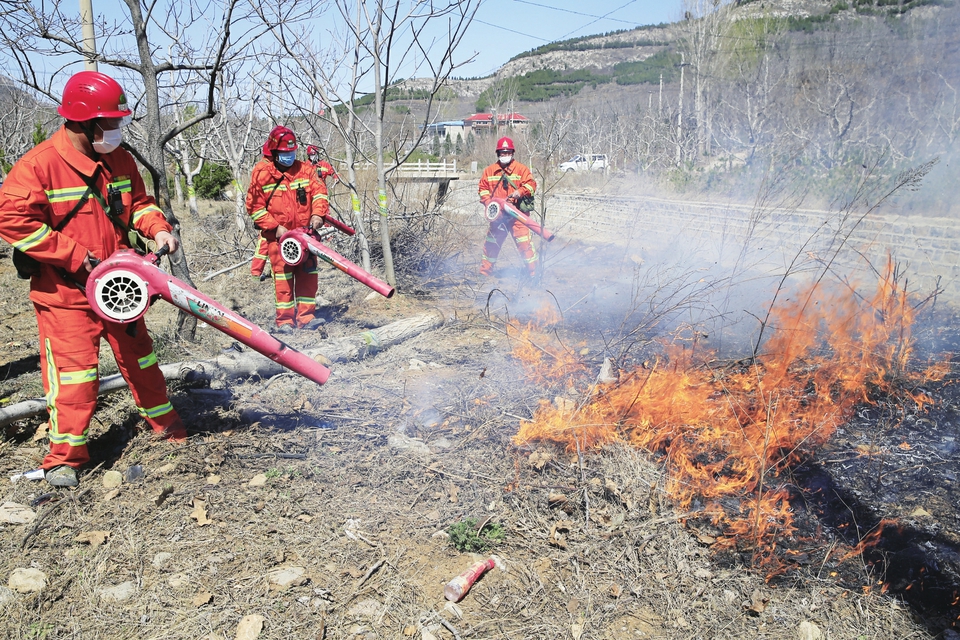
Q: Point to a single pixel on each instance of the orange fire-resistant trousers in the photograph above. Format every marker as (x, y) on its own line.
(495, 237)
(70, 350)
(259, 262)
(295, 288)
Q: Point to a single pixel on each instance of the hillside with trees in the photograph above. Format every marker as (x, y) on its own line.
(746, 91)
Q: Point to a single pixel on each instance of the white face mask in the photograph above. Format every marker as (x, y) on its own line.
(505, 160)
(109, 140)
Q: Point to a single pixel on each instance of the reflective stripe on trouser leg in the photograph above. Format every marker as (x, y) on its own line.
(525, 247)
(259, 261)
(491, 247)
(139, 367)
(70, 344)
(283, 282)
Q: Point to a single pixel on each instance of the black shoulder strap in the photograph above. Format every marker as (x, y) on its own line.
(83, 199)
(270, 197)
(106, 204)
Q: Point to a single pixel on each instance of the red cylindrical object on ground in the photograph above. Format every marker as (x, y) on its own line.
(458, 587)
(121, 287)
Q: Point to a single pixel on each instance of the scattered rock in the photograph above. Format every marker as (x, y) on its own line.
(809, 631)
(27, 580)
(400, 441)
(250, 627)
(417, 365)
(93, 538)
(15, 513)
(134, 473)
(368, 608)
(214, 479)
(118, 593)
(178, 581)
(160, 559)
(112, 479)
(258, 480)
(441, 443)
(110, 495)
(167, 468)
(6, 596)
(606, 372)
(286, 577)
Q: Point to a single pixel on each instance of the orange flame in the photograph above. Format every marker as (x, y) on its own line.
(731, 432)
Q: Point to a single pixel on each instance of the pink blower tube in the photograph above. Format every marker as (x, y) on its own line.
(497, 207)
(122, 287)
(295, 244)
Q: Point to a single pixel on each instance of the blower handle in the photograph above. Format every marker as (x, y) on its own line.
(159, 253)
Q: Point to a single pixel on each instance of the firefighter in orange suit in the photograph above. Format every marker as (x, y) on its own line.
(324, 170)
(284, 194)
(68, 203)
(507, 178)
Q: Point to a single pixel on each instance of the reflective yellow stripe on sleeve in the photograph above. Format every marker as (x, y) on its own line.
(33, 239)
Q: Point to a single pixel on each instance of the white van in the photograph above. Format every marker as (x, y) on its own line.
(585, 162)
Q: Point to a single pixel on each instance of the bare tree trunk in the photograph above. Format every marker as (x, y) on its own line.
(379, 99)
(250, 363)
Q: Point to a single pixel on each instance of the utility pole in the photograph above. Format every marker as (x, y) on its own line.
(89, 37)
(680, 115)
(660, 100)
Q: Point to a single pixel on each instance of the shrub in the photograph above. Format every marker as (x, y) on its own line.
(465, 537)
(212, 180)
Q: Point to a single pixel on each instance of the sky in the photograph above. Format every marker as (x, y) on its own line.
(504, 28)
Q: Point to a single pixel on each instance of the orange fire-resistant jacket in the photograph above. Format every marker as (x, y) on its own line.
(325, 170)
(43, 187)
(284, 207)
(496, 181)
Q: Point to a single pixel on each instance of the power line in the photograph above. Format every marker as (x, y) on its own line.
(630, 2)
(588, 15)
(519, 33)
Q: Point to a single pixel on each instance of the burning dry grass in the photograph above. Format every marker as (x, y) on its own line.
(732, 431)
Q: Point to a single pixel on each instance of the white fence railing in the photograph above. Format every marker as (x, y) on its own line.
(427, 169)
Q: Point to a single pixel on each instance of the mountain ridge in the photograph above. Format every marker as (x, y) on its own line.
(601, 52)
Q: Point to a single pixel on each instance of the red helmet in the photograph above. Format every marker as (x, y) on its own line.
(313, 154)
(91, 94)
(505, 144)
(280, 139)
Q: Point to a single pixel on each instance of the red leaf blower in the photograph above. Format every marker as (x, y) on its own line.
(295, 244)
(499, 206)
(122, 287)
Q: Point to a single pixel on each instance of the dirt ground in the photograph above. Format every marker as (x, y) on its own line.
(298, 511)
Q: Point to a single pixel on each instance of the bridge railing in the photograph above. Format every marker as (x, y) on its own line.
(427, 169)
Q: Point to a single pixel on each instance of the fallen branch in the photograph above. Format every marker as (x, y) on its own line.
(246, 364)
(210, 276)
